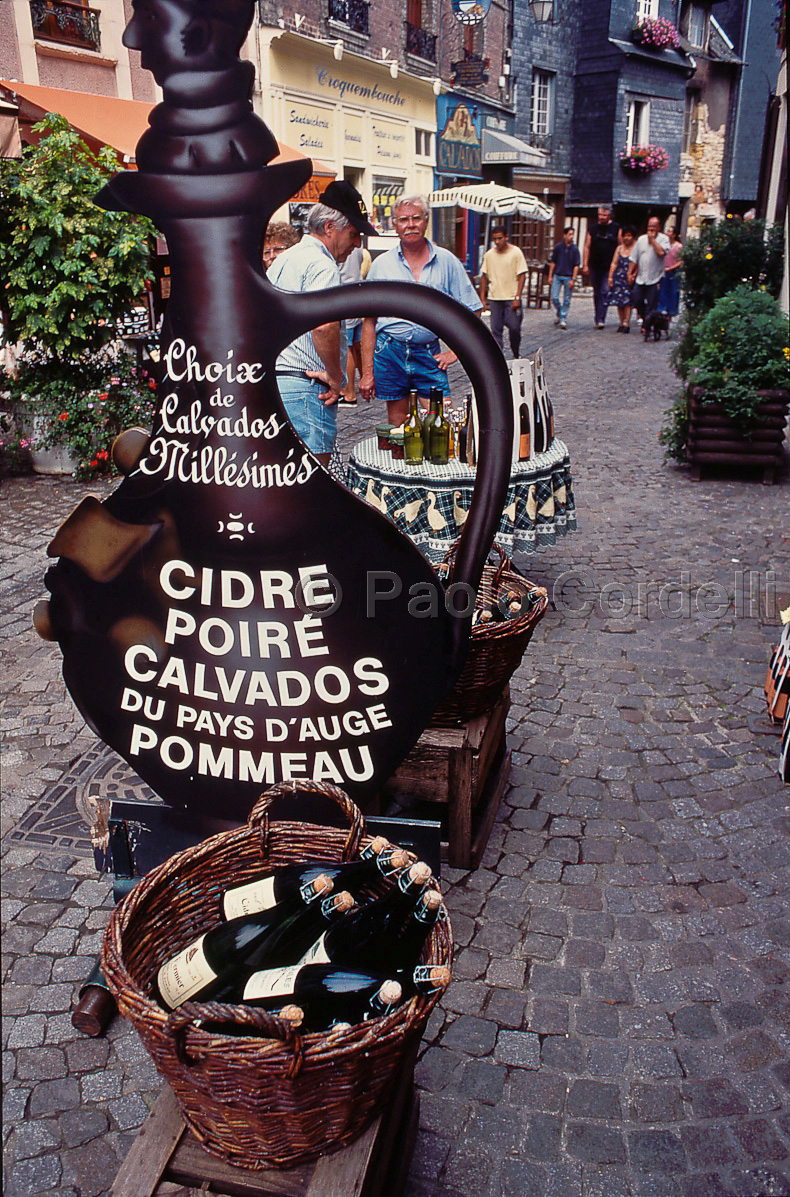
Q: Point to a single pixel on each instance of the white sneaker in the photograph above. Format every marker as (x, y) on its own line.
(563, 324)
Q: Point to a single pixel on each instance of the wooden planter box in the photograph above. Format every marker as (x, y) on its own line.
(714, 440)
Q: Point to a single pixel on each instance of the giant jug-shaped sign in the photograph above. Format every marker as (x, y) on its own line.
(231, 616)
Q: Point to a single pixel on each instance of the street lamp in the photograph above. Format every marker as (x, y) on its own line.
(542, 10)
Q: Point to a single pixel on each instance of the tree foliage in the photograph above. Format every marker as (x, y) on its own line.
(68, 269)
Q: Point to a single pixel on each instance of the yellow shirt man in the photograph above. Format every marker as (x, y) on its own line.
(501, 284)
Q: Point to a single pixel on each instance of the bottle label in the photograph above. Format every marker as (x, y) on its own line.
(183, 975)
(523, 446)
(316, 954)
(271, 983)
(249, 899)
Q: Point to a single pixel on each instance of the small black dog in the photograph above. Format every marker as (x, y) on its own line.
(656, 323)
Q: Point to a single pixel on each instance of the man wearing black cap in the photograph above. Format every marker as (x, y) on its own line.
(311, 371)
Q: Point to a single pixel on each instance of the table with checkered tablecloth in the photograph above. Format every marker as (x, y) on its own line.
(430, 502)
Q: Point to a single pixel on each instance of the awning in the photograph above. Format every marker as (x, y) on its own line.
(107, 120)
(491, 199)
(510, 150)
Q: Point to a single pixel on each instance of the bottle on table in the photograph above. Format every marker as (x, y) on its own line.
(374, 935)
(463, 431)
(439, 438)
(523, 433)
(412, 433)
(434, 407)
(379, 859)
(541, 442)
(213, 962)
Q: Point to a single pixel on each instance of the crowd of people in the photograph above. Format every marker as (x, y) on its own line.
(316, 373)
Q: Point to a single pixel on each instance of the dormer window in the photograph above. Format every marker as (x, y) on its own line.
(698, 20)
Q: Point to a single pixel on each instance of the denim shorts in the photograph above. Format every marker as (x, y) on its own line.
(312, 420)
(402, 366)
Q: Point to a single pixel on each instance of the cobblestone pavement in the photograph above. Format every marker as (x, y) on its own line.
(619, 1020)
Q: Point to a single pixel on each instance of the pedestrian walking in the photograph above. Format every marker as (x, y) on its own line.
(619, 287)
(599, 245)
(354, 270)
(647, 268)
(669, 293)
(501, 286)
(563, 272)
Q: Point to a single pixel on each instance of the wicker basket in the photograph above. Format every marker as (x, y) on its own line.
(495, 649)
(274, 1099)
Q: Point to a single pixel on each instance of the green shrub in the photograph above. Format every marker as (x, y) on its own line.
(741, 348)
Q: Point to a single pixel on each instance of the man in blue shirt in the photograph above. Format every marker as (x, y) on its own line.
(563, 272)
(405, 355)
(311, 370)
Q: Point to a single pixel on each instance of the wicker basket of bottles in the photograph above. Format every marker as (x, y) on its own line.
(495, 647)
(273, 1097)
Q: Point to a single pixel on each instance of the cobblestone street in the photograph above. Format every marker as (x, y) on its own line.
(619, 1019)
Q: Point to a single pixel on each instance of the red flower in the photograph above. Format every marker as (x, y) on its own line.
(64, 415)
(102, 455)
(104, 395)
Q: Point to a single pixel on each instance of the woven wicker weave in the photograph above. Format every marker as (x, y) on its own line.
(495, 649)
(278, 1098)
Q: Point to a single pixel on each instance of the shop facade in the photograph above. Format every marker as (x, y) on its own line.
(370, 123)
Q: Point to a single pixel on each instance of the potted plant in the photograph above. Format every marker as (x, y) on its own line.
(71, 272)
(644, 159)
(734, 405)
(655, 33)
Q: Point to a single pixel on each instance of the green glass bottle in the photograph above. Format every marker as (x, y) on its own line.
(435, 406)
(412, 433)
(439, 441)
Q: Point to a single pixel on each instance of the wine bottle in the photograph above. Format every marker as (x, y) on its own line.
(326, 993)
(541, 432)
(408, 943)
(412, 433)
(380, 858)
(434, 407)
(439, 439)
(426, 979)
(463, 432)
(209, 966)
(523, 435)
(368, 935)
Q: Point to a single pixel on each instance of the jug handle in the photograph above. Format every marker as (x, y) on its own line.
(485, 365)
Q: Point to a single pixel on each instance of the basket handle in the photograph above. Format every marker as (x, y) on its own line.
(259, 815)
(187, 1017)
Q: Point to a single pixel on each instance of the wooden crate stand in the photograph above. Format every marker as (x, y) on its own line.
(464, 768)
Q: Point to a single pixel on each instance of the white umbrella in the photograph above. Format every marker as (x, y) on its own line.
(491, 199)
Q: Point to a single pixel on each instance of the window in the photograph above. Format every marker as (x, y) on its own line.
(638, 123)
(698, 26)
(542, 86)
(385, 192)
(353, 13)
(474, 39)
(646, 9)
(61, 21)
(423, 143)
(690, 120)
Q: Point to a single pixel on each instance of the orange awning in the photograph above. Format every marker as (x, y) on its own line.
(107, 120)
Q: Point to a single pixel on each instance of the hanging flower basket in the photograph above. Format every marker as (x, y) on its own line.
(644, 159)
(656, 33)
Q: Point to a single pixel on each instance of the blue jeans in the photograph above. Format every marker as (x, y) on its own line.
(402, 366)
(311, 419)
(561, 282)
